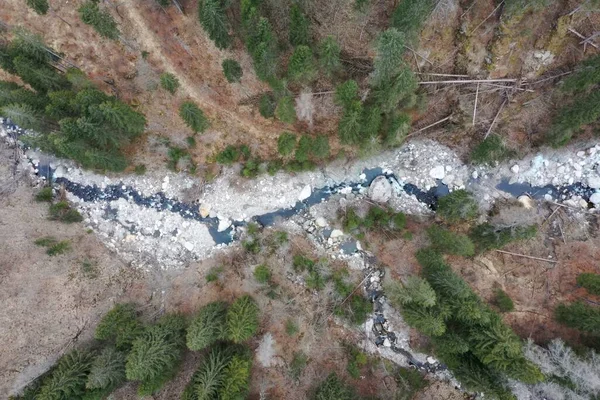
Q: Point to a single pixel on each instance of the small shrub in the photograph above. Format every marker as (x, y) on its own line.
(120, 325)
(58, 248)
(88, 268)
(44, 195)
(298, 365)
(333, 389)
(302, 263)
(242, 319)
(351, 221)
(100, 20)
(356, 360)
(63, 212)
(591, 282)
(491, 151)
(355, 309)
(232, 70)
(315, 281)
(399, 221)
(487, 237)
(303, 150)
(342, 288)
(266, 106)
(140, 169)
(214, 274)
(320, 147)
(291, 327)
(274, 166)
(411, 381)
(45, 241)
(175, 154)
(193, 117)
(458, 205)
(449, 242)
(169, 82)
(286, 143)
(228, 156)
(285, 110)
(503, 301)
(252, 245)
(262, 274)
(579, 315)
(39, 6)
(301, 67)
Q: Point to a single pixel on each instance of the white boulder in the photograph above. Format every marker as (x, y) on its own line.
(595, 198)
(380, 190)
(594, 182)
(437, 172)
(305, 193)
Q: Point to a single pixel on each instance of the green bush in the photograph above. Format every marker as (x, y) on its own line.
(59, 248)
(389, 58)
(298, 27)
(449, 242)
(232, 70)
(169, 82)
(140, 169)
(350, 220)
(301, 67)
(491, 151)
(156, 354)
(579, 315)
(120, 325)
(395, 127)
(298, 365)
(242, 319)
(356, 309)
(346, 94)
(503, 301)
(212, 16)
(487, 237)
(302, 263)
(329, 55)
(214, 274)
(411, 381)
(91, 14)
(39, 6)
(44, 195)
(285, 110)
(585, 109)
(251, 168)
(458, 205)
(356, 361)
(107, 370)
(63, 212)
(315, 281)
(207, 327)
(334, 389)
(262, 274)
(228, 156)
(193, 117)
(267, 105)
(291, 327)
(587, 75)
(286, 143)
(590, 281)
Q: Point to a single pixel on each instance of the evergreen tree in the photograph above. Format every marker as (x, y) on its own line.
(261, 44)
(320, 147)
(398, 88)
(329, 55)
(350, 126)
(242, 319)
(107, 371)
(232, 70)
(590, 281)
(390, 50)
(303, 150)
(579, 315)
(371, 121)
(67, 380)
(333, 389)
(285, 110)
(23, 115)
(450, 242)
(193, 117)
(156, 353)
(207, 327)
(584, 110)
(586, 76)
(416, 290)
(458, 205)
(298, 27)
(39, 6)
(169, 82)
(286, 143)
(267, 105)
(301, 67)
(236, 378)
(120, 325)
(486, 236)
(395, 127)
(410, 15)
(346, 94)
(214, 21)
(100, 20)
(208, 380)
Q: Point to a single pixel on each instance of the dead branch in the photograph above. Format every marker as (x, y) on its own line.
(436, 74)
(525, 256)
(429, 126)
(475, 108)
(464, 81)
(494, 120)
(486, 18)
(178, 6)
(579, 35)
(551, 77)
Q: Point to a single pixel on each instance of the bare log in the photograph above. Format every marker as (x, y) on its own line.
(429, 126)
(494, 120)
(525, 256)
(465, 81)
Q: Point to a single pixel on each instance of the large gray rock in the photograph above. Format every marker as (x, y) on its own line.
(595, 198)
(380, 190)
(594, 182)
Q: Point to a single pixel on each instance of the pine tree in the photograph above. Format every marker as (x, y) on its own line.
(236, 378)
(320, 147)
(207, 381)
(395, 89)
(350, 125)
(107, 370)
(395, 127)
(23, 115)
(207, 327)
(169, 82)
(67, 380)
(120, 325)
(100, 20)
(587, 75)
(301, 67)
(193, 117)
(298, 27)
(346, 94)
(416, 290)
(410, 15)
(261, 44)
(329, 55)
(232, 70)
(578, 315)
(214, 21)
(242, 319)
(333, 389)
(427, 320)
(371, 122)
(590, 281)
(39, 6)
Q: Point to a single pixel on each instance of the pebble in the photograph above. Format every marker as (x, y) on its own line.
(593, 182)
(437, 172)
(581, 154)
(475, 175)
(515, 169)
(321, 222)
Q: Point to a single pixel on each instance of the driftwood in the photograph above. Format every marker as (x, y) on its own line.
(464, 81)
(429, 126)
(525, 256)
(494, 120)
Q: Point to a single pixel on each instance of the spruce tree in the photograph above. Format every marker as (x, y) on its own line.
(214, 21)
(286, 143)
(346, 94)
(390, 51)
(298, 27)
(207, 327)
(23, 115)
(301, 67)
(350, 125)
(120, 325)
(329, 55)
(107, 370)
(236, 378)
(450, 242)
(285, 110)
(410, 15)
(590, 281)
(458, 205)
(100, 20)
(193, 117)
(242, 319)
(232, 70)
(169, 82)
(67, 380)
